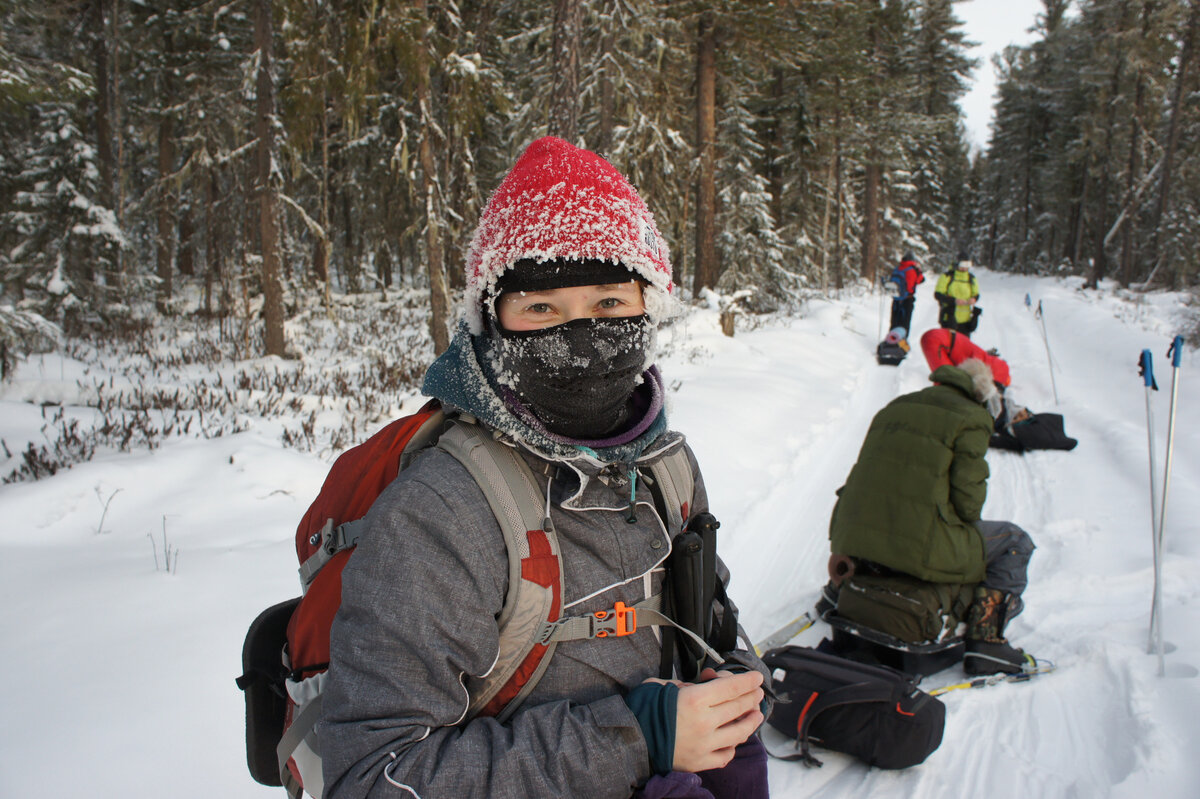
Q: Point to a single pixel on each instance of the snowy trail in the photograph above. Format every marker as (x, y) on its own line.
(788, 510)
(1088, 513)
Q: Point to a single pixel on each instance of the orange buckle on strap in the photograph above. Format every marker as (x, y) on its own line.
(621, 620)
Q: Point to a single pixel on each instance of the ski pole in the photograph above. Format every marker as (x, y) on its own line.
(879, 333)
(1049, 357)
(1175, 353)
(1146, 370)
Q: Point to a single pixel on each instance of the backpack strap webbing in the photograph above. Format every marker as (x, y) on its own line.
(622, 620)
(346, 535)
(293, 739)
(535, 577)
(672, 484)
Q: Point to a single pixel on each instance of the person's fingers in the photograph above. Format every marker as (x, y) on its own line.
(725, 741)
(720, 701)
(726, 685)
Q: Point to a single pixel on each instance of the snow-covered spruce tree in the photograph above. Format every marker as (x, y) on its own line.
(65, 241)
(750, 249)
(58, 240)
(938, 67)
(1174, 237)
(1079, 140)
(636, 108)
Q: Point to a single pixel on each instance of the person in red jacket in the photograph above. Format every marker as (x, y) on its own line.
(944, 347)
(904, 280)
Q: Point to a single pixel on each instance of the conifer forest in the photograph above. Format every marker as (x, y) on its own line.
(249, 161)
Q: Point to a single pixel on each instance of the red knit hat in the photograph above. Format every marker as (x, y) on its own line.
(563, 202)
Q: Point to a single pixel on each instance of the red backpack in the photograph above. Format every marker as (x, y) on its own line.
(286, 652)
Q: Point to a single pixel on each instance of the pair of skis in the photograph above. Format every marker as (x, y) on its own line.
(1043, 667)
(785, 633)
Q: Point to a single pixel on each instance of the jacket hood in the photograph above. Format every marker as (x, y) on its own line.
(953, 376)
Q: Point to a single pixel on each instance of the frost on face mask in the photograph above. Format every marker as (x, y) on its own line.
(577, 377)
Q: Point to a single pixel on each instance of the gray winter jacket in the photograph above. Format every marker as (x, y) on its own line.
(419, 604)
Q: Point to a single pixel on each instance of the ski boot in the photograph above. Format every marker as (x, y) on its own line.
(988, 651)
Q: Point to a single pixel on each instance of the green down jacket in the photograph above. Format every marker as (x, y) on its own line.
(919, 484)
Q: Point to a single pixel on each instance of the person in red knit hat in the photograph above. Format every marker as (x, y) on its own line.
(567, 278)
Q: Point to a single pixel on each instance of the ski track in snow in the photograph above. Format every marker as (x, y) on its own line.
(129, 672)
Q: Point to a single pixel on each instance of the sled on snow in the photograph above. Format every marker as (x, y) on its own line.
(866, 645)
(892, 350)
(879, 615)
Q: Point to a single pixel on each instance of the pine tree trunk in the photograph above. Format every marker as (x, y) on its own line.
(564, 102)
(870, 243)
(212, 245)
(101, 59)
(1131, 178)
(187, 241)
(608, 96)
(1081, 218)
(775, 145)
(164, 238)
(439, 297)
(839, 269)
(706, 146)
(825, 223)
(1100, 251)
(321, 259)
(273, 340)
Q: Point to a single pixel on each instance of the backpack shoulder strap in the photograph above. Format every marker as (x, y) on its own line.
(674, 486)
(534, 567)
(413, 434)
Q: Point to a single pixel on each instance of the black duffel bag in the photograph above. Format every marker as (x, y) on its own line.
(1037, 431)
(874, 713)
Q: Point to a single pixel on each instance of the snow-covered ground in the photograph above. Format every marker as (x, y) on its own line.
(118, 676)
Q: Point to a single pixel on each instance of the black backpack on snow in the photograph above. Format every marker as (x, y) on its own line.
(874, 713)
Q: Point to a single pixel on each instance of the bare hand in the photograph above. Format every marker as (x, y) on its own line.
(713, 717)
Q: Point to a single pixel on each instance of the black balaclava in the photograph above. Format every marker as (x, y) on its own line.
(577, 378)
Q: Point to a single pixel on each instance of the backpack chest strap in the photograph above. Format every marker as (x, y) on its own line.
(621, 620)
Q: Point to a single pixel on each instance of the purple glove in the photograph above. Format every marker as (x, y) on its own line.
(675, 785)
(744, 778)
(746, 775)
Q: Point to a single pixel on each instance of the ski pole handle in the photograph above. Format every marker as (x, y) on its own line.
(1146, 369)
(1175, 352)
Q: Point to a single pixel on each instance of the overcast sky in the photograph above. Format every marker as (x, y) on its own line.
(994, 24)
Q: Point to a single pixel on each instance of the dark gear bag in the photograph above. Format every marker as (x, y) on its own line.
(1039, 431)
(874, 713)
(912, 610)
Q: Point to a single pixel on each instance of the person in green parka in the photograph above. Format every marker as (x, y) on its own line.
(913, 500)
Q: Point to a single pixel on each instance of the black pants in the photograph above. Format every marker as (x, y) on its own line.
(947, 318)
(902, 311)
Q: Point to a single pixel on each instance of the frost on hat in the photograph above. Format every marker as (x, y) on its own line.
(561, 202)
